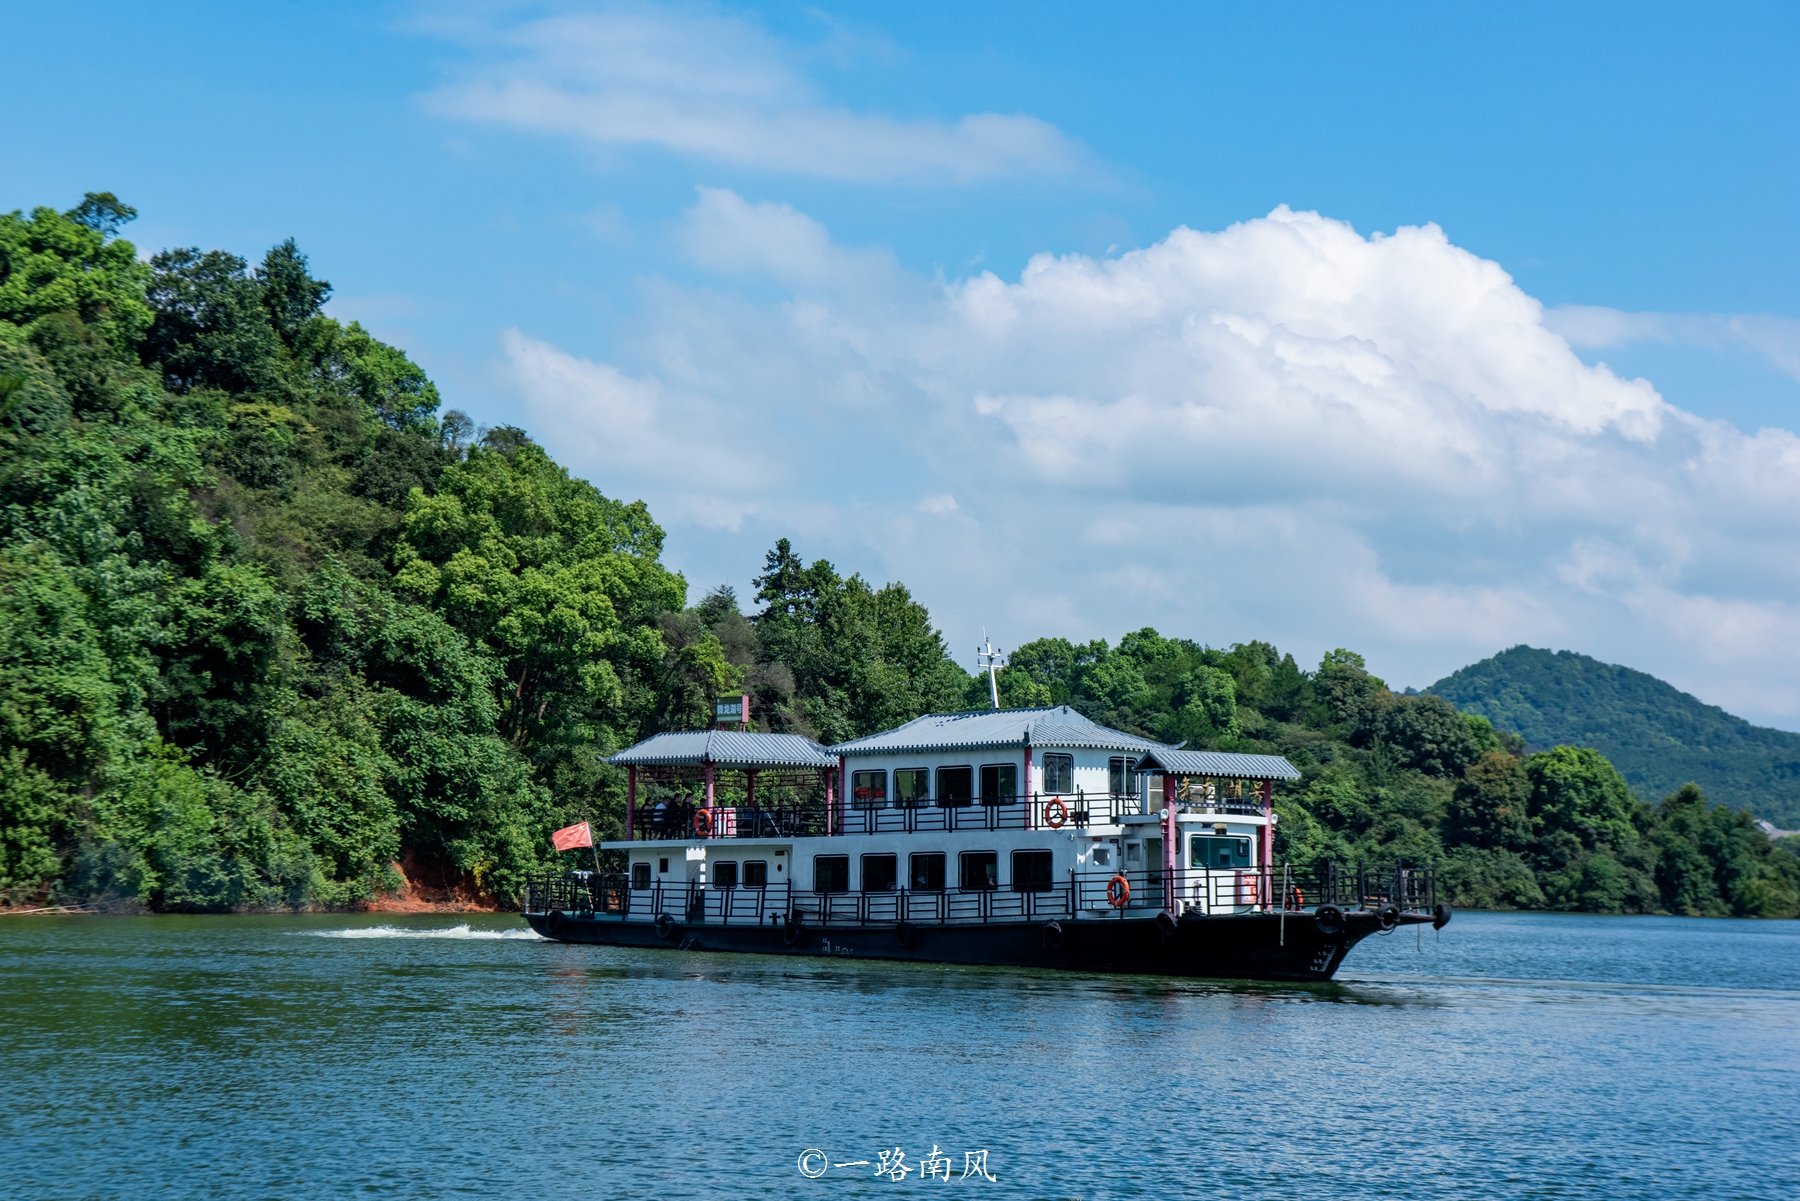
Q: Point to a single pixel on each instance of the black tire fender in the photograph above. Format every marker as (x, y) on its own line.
(1329, 919)
(790, 930)
(1166, 922)
(905, 932)
(552, 920)
(1388, 915)
(665, 925)
(1442, 915)
(1054, 933)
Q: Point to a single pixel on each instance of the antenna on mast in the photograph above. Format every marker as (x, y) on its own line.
(992, 658)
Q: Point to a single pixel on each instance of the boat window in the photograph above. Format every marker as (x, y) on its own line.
(640, 875)
(831, 873)
(911, 786)
(978, 870)
(724, 875)
(926, 871)
(999, 783)
(1059, 773)
(1134, 854)
(1219, 852)
(956, 786)
(1118, 775)
(1031, 871)
(881, 873)
(756, 873)
(662, 867)
(1103, 857)
(868, 790)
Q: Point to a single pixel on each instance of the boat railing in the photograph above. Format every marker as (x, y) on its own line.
(1122, 805)
(1187, 891)
(1245, 889)
(682, 820)
(1038, 811)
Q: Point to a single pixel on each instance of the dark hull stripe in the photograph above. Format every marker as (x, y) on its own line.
(1245, 947)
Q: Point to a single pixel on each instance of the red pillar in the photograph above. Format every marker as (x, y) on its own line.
(1169, 841)
(843, 790)
(1268, 836)
(630, 801)
(710, 815)
(1030, 795)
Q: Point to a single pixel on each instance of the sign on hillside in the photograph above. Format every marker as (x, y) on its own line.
(732, 710)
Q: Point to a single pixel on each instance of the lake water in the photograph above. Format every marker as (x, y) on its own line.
(334, 1056)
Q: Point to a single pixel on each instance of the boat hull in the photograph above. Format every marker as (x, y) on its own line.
(1253, 946)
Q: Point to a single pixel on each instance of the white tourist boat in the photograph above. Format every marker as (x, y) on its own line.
(1003, 836)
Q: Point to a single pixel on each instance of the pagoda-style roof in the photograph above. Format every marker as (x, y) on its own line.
(1055, 726)
(1218, 764)
(733, 750)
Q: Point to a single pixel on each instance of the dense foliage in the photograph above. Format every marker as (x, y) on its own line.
(1657, 736)
(270, 625)
(1388, 777)
(273, 629)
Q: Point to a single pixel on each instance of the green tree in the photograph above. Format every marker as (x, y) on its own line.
(862, 659)
(1344, 685)
(562, 586)
(1426, 732)
(54, 265)
(1491, 805)
(1207, 712)
(1575, 791)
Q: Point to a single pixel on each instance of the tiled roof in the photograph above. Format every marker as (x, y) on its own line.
(1058, 726)
(1219, 763)
(725, 748)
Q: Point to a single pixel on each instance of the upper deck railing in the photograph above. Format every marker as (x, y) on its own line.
(1039, 811)
(1195, 891)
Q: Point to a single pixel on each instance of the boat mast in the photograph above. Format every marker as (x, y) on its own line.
(992, 658)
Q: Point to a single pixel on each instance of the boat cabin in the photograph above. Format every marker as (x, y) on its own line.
(1013, 813)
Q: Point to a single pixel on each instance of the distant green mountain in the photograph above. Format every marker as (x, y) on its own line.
(1656, 735)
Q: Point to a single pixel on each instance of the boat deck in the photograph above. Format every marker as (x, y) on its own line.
(1084, 896)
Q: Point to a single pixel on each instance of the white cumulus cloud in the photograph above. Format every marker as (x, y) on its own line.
(720, 88)
(1280, 430)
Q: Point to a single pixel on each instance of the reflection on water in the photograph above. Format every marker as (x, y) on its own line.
(1512, 1055)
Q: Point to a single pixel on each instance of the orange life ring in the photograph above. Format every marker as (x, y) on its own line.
(1061, 816)
(1118, 891)
(703, 822)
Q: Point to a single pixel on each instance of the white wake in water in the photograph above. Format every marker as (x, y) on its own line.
(461, 931)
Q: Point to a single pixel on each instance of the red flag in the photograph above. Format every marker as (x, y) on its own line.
(570, 837)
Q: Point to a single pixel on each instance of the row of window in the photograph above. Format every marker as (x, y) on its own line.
(724, 874)
(975, 869)
(955, 785)
(881, 873)
(925, 871)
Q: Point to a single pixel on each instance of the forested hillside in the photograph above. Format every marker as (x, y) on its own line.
(1659, 737)
(274, 629)
(1388, 777)
(270, 624)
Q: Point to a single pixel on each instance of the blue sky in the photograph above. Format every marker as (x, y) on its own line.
(733, 260)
